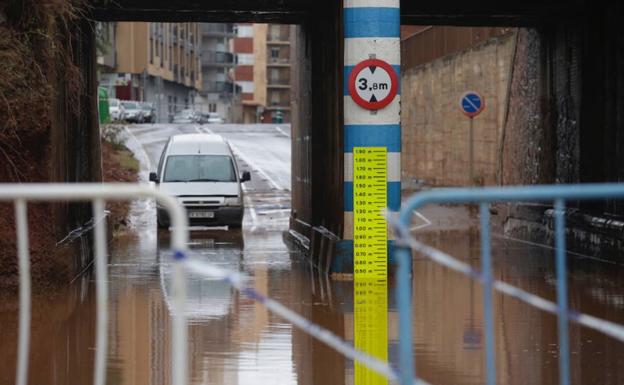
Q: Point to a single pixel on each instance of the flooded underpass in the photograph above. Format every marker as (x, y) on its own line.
(234, 340)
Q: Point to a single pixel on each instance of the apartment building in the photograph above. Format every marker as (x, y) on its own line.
(278, 73)
(219, 92)
(263, 71)
(157, 63)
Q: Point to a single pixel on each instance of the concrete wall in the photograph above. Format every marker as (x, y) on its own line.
(528, 146)
(317, 116)
(435, 132)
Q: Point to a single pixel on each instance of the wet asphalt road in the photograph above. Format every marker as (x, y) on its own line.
(233, 340)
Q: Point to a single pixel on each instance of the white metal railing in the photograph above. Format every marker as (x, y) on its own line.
(97, 194)
(559, 194)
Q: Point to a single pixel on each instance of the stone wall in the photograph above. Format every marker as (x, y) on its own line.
(435, 132)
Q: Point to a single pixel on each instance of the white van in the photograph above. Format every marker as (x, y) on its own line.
(200, 170)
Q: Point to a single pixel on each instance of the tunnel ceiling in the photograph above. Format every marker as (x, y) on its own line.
(450, 12)
(283, 11)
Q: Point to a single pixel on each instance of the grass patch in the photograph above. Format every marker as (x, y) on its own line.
(119, 166)
(126, 160)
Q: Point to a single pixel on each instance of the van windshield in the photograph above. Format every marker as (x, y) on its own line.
(199, 168)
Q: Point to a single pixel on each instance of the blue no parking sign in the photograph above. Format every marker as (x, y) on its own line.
(471, 104)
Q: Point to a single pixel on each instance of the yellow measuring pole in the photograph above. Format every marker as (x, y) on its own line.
(370, 228)
(370, 258)
(370, 328)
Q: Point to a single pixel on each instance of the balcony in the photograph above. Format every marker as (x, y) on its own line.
(278, 62)
(279, 82)
(218, 30)
(278, 105)
(278, 35)
(218, 59)
(218, 87)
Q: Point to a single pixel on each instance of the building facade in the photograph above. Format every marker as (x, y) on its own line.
(263, 71)
(278, 73)
(157, 63)
(219, 93)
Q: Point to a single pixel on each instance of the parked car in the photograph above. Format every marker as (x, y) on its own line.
(115, 109)
(212, 118)
(201, 171)
(132, 112)
(148, 112)
(186, 116)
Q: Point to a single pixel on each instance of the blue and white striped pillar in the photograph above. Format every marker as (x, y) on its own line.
(371, 30)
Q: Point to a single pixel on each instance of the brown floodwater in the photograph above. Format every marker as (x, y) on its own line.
(233, 340)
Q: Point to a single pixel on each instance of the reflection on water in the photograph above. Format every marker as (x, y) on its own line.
(230, 337)
(62, 335)
(370, 327)
(233, 340)
(448, 317)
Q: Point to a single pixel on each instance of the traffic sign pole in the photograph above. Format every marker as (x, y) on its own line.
(471, 141)
(471, 104)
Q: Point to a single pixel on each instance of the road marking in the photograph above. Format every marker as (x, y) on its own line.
(282, 131)
(245, 159)
(203, 130)
(422, 225)
(274, 211)
(146, 160)
(251, 207)
(239, 154)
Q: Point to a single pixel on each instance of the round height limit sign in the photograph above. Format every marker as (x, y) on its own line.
(373, 84)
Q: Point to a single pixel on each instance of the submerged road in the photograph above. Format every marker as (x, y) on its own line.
(233, 340)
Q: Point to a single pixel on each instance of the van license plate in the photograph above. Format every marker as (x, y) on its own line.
(201, 214)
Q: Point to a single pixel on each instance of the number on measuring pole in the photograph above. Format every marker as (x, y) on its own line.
(370, 228)
(373, 84)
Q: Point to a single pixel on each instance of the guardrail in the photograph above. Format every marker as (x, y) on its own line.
(97, 194)
(484, 197)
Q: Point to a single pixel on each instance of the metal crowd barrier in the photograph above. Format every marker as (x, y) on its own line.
(559, 194)
(98, 194)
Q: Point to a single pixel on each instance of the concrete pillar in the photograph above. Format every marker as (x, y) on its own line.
(371, 30)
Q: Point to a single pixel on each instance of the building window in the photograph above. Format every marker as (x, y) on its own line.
(275, 75)
(274, 32)
(275, 53)
(212, 107)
